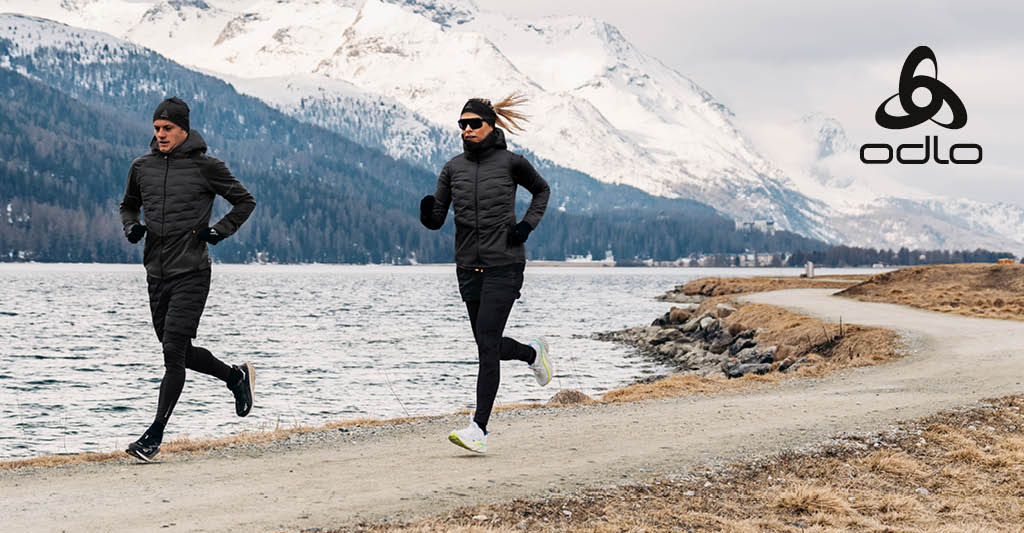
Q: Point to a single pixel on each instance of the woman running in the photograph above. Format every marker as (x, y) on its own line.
(490, 258)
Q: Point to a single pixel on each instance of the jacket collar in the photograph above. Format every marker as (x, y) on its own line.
(479, 151)
(194, 143)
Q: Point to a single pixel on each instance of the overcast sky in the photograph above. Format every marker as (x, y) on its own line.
(772, 62)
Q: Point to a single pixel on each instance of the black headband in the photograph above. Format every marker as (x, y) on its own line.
(485, 110)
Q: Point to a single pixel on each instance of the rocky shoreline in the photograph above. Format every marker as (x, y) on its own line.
(703, 343)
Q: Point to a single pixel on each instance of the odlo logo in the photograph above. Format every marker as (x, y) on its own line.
(939, 96)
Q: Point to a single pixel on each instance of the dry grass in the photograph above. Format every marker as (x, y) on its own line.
(724, 286)
(978, 290)
(831, 346)
(914, 481)
(187, 445)
(678, 385)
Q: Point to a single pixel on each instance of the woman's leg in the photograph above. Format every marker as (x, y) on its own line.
(491, 315)
(498, 293)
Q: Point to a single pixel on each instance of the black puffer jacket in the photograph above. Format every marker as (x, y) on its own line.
(176, 191)
(481, 183)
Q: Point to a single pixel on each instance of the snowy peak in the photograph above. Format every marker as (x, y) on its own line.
(443, 12)
(27, 34)
(827, 133)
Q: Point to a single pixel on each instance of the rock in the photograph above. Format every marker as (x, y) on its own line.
(922, 491)
(791, 363)
(741, 343)
(748, 334)
(665, 335)
(690, 325)
(718, 346)
(706, 322)
(734, 368)
(570, 397)
(724, 310)
(678, 315)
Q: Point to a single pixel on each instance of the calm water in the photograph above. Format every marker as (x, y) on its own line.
(80, 365)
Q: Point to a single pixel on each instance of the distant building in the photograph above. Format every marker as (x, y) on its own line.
(763, 225)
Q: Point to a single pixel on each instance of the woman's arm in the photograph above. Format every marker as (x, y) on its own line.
(434, 209)
(524, 174)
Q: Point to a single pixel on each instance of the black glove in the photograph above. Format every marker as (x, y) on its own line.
(209, 235)
(427, 211)
(519, 233)
(136, 232)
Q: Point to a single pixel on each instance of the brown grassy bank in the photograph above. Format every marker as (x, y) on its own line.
(821, 347)
(954, 471)
(977, 290)
(724, 286)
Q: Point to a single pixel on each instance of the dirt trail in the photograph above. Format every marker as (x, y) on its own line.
(413, 471)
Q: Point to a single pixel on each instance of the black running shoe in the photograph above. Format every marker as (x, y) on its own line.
(243, 390)
(145, 448)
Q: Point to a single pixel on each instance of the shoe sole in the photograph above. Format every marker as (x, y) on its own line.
(544, 359)
(251, 373)
(454, 439)
(138, 455)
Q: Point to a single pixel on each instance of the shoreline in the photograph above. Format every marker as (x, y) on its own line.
(678, 383)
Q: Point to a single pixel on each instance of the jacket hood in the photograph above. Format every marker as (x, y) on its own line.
(494, 141)
(194, 143)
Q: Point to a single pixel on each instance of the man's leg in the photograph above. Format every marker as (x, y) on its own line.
(202, 361)
(175, 351)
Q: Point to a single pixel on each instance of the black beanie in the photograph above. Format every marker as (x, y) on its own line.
(173, 109)
(481, 107)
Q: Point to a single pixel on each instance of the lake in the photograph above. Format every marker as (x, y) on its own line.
(80, 365)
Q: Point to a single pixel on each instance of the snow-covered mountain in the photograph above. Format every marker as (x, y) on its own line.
(870, 210)
(599, 105)
(394, 74)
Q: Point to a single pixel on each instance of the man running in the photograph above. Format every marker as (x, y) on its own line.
(175, 185)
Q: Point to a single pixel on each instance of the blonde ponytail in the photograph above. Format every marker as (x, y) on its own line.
(508, 117)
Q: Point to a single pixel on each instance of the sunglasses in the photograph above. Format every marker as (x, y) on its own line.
(473, 123)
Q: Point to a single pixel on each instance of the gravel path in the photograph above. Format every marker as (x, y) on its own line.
(398, 472)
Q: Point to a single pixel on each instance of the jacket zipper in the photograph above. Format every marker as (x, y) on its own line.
(163, 216)
(476, 208)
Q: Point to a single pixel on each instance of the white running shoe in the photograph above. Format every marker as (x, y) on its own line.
(542, 369)
(471, 438)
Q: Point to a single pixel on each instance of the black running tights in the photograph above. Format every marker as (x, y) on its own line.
(488, 317)
(179, 354)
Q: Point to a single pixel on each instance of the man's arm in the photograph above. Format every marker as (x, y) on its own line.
(131, 203)
(228, 186)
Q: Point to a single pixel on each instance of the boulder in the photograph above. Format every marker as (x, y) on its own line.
(739, 344)
(665, 335)
(792, 363)
(720, 343)
(724, 310)
(570, 397)
(678, 315)
(747, 334)
(735, 369)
